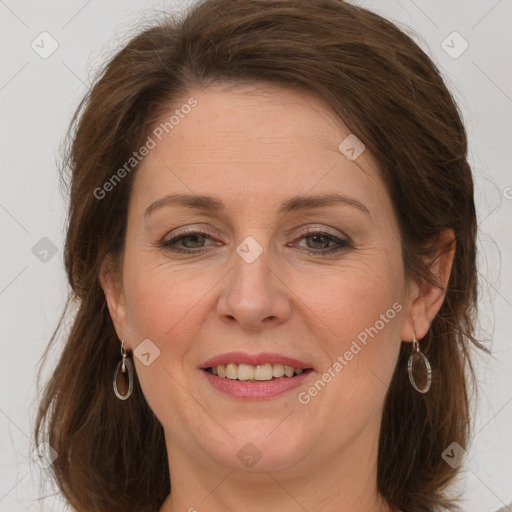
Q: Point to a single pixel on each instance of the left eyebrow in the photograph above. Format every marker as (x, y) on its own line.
(295, 203)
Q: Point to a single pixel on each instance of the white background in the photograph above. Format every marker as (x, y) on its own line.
(37, 98)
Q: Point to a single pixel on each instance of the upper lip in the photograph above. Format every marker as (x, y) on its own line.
(254, 359)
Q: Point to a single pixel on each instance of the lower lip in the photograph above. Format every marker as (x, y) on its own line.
(256, 390)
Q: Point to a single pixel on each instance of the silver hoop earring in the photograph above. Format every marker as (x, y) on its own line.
(125, 365)
(419, 368)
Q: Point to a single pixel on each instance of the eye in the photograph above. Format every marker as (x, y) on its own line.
(320, 241)
(193, 242)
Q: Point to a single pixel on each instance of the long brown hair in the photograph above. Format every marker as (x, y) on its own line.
(112, 454)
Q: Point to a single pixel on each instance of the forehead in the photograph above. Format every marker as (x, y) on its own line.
(258, 120)
(253, 143)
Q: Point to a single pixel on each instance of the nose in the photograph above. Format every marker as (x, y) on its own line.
(255, 295)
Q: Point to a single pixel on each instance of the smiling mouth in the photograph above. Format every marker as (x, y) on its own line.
(260, 373)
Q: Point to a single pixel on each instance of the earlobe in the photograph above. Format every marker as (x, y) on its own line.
(111, 283)
(426, 298)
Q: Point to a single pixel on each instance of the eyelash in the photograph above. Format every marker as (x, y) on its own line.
(342, 244)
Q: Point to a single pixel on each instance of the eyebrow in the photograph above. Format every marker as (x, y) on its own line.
(295, 203)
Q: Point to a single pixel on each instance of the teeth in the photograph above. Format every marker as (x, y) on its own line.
(288, 371)
(245, 372)
(263, 372)
(232, 371)
(277, 370)
(260, 372)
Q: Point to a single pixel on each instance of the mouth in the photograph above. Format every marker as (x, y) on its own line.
(257, 367)
(259, 373)
(255, 377)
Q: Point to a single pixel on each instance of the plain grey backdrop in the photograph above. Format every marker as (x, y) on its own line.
(50, 52)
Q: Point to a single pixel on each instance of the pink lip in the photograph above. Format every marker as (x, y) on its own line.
(255, 390)
(256, 359)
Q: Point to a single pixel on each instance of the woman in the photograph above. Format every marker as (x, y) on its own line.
(271, 246)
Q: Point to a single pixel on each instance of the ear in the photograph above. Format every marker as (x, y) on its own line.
(110, 278)
(425, 299)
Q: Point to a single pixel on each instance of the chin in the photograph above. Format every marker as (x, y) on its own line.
(276, 445)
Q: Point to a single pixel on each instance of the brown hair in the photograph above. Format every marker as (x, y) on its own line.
(111, 454)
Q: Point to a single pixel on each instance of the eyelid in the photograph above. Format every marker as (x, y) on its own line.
(323, 229)
(314, 228)
(191, 230)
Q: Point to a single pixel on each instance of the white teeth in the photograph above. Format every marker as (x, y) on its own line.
(232, 371)
(288, 371)
(261, 372)
(245, 372)
(277, 370)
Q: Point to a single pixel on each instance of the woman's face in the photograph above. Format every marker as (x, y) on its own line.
(317, 281)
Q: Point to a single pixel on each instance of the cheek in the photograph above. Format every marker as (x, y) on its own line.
(363, 329)
(167, 301)
(170, 303)
(348, 300)
(163, 304)
(356, 318)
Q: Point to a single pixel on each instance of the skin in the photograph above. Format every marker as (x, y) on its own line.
(253, 148)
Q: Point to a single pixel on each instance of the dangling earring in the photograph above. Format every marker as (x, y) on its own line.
(419, 365)
(125, 363)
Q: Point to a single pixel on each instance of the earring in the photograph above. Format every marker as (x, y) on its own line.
(419, 366)
(125, 364)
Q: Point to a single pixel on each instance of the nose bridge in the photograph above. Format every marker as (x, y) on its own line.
(253, 294)
(251, 271)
